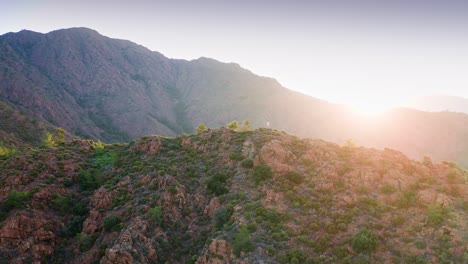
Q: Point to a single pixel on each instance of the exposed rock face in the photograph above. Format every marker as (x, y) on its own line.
(29, 231)
(211, 208)
(219, 252)
(132, 241)
(276, 156)
(150, 146)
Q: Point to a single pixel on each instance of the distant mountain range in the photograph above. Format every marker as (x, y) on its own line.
(115, 90)
(438, 103)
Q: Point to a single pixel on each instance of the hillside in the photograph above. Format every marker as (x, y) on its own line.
(20, 132)
(222, 196)
(115, 90)
(439, 103)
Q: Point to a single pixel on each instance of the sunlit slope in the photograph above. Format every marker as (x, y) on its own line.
(226, 196)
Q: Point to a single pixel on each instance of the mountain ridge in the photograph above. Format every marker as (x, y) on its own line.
(116, 90)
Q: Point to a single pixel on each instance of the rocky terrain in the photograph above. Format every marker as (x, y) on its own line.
(225, 196)
(115, 90)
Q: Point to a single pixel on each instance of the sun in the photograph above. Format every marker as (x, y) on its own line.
(371, 107)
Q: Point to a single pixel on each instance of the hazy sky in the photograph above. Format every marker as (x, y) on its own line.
(366, 53)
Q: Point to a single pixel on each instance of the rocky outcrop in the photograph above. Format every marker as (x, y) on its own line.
(132, 241)
(148, 145)
(219, 252)
(29, 231)
(277, 156)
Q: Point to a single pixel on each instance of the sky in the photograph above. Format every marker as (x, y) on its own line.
(369, 54)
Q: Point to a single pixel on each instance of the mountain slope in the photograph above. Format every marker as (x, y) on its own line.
(223, 196)
(115, 90)
(438, 103)
(19, 131)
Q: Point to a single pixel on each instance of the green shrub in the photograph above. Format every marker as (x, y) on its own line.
(294, 256)
(407, 199)
(216, 184)
(236, 156)
(155, 215)
(365, 241)
(73, 226)
(242, 242)
(436, 214)
(387, 189)
(221, 217)
(90, 179)
(48, 141)
(234, 125)
(17, 199)
(261, 173)
(110, 222)
(85, 242)
(201, 128)
(62, 203)
(247, 163)
(294, 177)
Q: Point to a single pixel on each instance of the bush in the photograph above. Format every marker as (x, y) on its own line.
(407, 199)
(436, 214)
(155, 215)
(242, 242)
(294, 177)
(236, 156)
(63, 203)
(85, 242)
(294, 256)
(221, 217)
(216, 184)
(201, 128)
(365, 241)
(261, 173)
(73, 227)
(387, 189)
(234, 125)
(17, 199)
(110, 222)
(247, 163)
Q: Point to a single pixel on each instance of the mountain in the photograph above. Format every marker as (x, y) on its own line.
(115, 90)
(439, 103)
(19, 131)
(223, 196)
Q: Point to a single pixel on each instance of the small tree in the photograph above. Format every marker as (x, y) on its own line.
(48, 140)
(242, 242)
(245, 125)
(60, 136)
(234, 125)
(201, 128)
(155, 215)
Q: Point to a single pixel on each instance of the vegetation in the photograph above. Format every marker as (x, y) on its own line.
(262, 173)
(176, 199)
(365, 241)
(216, 184)
(234, 125)
(155, 215)
(201, 128)
(112, 223)
(242, 241)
